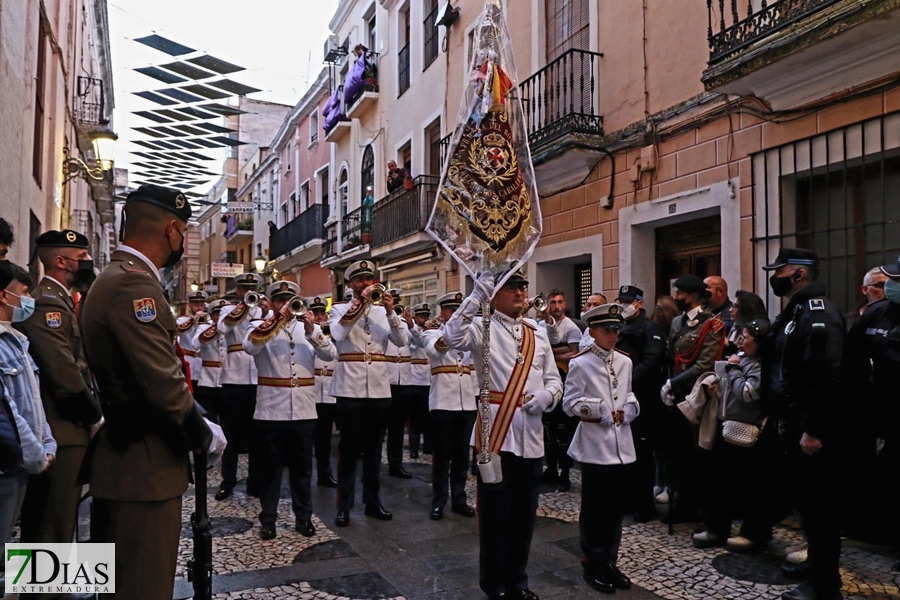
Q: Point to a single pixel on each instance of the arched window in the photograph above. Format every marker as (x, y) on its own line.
(343, 189)
(368, 172)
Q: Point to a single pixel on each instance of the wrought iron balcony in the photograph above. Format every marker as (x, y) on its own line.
(303, 229)
(329, 246)
(561, 98)
(404, 212)
(352, 230)
(90, 105)
(403, 70)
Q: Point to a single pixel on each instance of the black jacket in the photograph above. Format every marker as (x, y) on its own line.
(644, 341)
(802, 365)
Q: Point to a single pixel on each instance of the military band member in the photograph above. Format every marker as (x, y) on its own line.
(451, 399)
(70, 403)
(326, 404)
(397, 366)
(285, 347)
(419, 373)
(212, 349)
(138, 464)
(238, 377)
(598, 391)
(187, 329)
(524, 383)
(360, 330)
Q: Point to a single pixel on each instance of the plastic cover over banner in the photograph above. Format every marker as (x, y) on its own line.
(487, 212)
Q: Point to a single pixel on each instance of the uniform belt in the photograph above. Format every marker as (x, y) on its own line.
(397, 359)
(457, 370)
(325, 372)
(590, 420)
(290, 382)
(419, 361)
(235, 348)
(211, 363)
(363, 357)
(192, 353)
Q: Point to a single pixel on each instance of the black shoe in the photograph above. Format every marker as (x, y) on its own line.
(804, 591)
(327, 481)
(223, 493)
(523, 595)
(437, 513)
(550, 477)
(564, 484)
(799, 572)
(600, 579)
(463, 509)
(498, 596)
(377, 511)
(267, 532)
(619, 579)
(342, 519)
(305, 527)
(400, 472)
(414, 454)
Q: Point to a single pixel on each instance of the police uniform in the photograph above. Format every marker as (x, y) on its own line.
(212, 349)
(69, 399)
(507, 510)
(326, 408)
(418, 382)
(801, 367)
(398, 372)
(186, 326)
(138, 462)
(238, 396)
(598, 391)
(360, 332)
(451, 400)
(285, 415)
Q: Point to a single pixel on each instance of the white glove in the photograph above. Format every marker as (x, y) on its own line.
(218, 443)
(666, 394)
(606, 417)
(539, 403)
(484, 287)
(631, 411)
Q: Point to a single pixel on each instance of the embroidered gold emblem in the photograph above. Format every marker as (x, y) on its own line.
(71, 237)
(180, 201)
(613, 311)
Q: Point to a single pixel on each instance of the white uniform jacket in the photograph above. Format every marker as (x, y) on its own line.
(239, 367)
(593, 381)
(186, 340)
(212, 355)
(463, 331)
(419, 366)
(286, 363)
(361, 370)
(398, 359)
(324, 372)
(451, 375)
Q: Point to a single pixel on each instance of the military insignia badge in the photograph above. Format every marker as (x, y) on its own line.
(284, 287)
(54, 320)
(179, 201)
(144, 310)
(363, 265)
(585, 410)
(71, 237)
(613, 311)
(816, 304)
(458, 296)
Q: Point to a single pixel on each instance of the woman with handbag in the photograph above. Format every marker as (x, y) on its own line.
(742, 462)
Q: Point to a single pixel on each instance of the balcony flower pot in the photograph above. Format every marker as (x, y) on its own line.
(367, 238)
(408, 183)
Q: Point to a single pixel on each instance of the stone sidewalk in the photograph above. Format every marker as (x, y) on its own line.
(415, 558)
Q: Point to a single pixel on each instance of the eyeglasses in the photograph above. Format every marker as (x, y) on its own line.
(880, 284)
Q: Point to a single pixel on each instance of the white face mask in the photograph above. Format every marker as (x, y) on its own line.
(628, 310)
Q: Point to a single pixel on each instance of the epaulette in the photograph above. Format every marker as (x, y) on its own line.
(237, 315)
(580, 352)
(265, 331)
(622, 352)
(527, 324)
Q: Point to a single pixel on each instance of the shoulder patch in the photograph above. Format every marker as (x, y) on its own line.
(54, 319)
(622, 352)
(717, 323)
(187, 325)
(817, 304)
(580, 352)
(144, 309)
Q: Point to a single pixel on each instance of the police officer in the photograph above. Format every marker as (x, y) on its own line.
(187, 329)
(451, 400)
(238, 377)
(419, 380)
(801, 385)
(285, 346)
(360, 330)
(67, 391)
(138, 464)
(211, 344)
(397, 365)
(524, 383)
(644, 342)
(598, 391)
(326, 404)
(696, 343)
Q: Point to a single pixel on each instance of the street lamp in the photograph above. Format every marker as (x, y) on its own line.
(261, 263)
(195, 286)
(103, 142)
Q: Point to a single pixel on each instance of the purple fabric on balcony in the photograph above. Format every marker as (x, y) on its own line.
(331, 112)
(355, 82)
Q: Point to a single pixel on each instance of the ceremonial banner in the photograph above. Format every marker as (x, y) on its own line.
(487, 213)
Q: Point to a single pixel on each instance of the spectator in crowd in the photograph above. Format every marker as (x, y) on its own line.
(872, 290)
(395, 177)
(6, 238)
(746, 307)
(664, 314)
(719, 303)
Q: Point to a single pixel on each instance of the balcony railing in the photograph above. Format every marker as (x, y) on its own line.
(329, 246)
(236, 224)
(403, 70)
(431, 37)
(404, 212)
(561, 98)
(304, 228)
(736, 29)
(445, 146)
(351, 230)
(91, 103)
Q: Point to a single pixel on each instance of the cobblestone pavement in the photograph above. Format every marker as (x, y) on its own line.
(415, 558)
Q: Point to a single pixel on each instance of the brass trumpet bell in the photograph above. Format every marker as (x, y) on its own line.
(298, 306)
(251, 299)
(374, 294)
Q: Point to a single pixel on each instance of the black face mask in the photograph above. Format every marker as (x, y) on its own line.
(83, 276)
(782, 285)
(176, 255)
(682, 305)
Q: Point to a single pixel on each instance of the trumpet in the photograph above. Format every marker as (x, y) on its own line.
(399, 309)
(251, 299)
(298, 306)
(539, 303)
(374, 294)
(201, 319)
(434, 323)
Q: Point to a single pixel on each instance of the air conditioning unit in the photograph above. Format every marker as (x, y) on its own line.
(333, 49)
